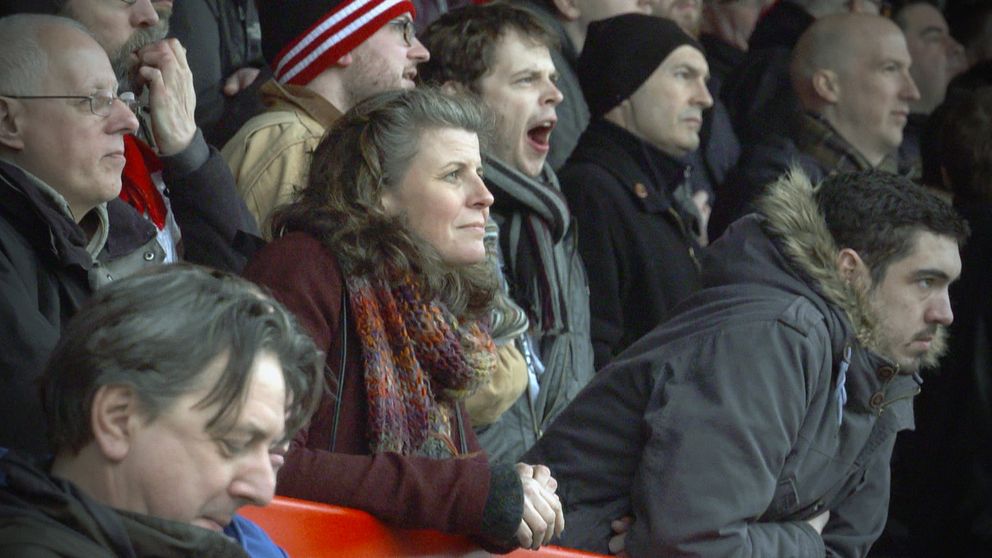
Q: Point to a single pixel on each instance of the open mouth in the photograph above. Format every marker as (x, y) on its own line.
(540, 135)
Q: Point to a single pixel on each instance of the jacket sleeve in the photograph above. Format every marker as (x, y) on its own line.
(207, 207)
(719, 432)
(452, 495)
(605, 265)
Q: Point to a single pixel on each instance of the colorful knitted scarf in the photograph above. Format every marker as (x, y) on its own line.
(419, 362)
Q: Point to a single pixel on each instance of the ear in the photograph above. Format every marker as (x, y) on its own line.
(11, 125)
(568, 9)
(345, 60)
(454, 88)
(851, 267)
(113, 416)
(389, 203)
(826, 85)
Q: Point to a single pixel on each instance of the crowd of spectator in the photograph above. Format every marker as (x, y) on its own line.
(637, 277)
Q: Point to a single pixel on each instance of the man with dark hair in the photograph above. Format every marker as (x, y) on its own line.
(760, 420)
(170, 399)
(171, 176)
(502, 55)
(568, 20)
(627, 183)
(954, 411)
(326, 56)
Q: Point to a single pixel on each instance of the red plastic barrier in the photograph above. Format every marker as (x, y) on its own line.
(310, 530)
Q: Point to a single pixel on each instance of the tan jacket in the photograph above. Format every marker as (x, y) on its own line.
(270, 154)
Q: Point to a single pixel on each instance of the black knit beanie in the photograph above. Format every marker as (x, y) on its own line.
(621, 53)
(301, 38)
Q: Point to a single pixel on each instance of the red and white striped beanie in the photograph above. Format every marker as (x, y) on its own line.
(301, 38)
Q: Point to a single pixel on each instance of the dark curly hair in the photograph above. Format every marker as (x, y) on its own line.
(878, 214)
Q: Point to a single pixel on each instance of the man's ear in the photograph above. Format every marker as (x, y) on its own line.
(852, 268)
(113, 416)
(451, 87)
(826, 85)
(10, 125)
(345, 60)
(568, 9)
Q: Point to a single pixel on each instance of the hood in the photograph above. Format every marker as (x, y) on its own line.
(794, 220)
(802, 246)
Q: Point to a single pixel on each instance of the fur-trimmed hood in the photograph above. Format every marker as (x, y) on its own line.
(788, 216)
(793, 219)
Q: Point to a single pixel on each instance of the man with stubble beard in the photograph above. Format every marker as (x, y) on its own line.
(172, 176)
(326, 56)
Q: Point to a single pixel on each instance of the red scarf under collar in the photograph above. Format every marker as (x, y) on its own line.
(137, 188)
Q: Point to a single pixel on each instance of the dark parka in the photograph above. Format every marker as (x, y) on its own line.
(725, 429)
(635, 235)
(46, 273)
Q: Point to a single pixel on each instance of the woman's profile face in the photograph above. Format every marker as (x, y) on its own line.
(443, 196)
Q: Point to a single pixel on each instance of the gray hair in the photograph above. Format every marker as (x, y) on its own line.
(23, 57)
(157, 331)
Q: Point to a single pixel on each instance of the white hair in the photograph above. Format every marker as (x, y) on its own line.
(23, 58)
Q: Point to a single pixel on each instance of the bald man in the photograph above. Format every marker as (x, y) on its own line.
(758, 92)
(850, 73)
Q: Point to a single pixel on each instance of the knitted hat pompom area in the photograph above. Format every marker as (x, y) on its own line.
(620, 53)
(302, 38)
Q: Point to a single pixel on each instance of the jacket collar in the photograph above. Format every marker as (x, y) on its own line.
(31, 208)
(793, 220)
(297, 98)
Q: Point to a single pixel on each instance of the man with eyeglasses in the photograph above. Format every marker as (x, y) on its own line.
(326, 56)
(172, 176)
(63, 230)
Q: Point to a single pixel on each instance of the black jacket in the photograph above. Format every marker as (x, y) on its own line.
(43, 516)
(634, 237)
(46, 273)
(759, 93)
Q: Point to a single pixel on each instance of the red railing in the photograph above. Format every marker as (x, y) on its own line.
(310, 530)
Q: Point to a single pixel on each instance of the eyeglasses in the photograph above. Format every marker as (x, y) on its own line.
(101, 102)
(406, 27)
